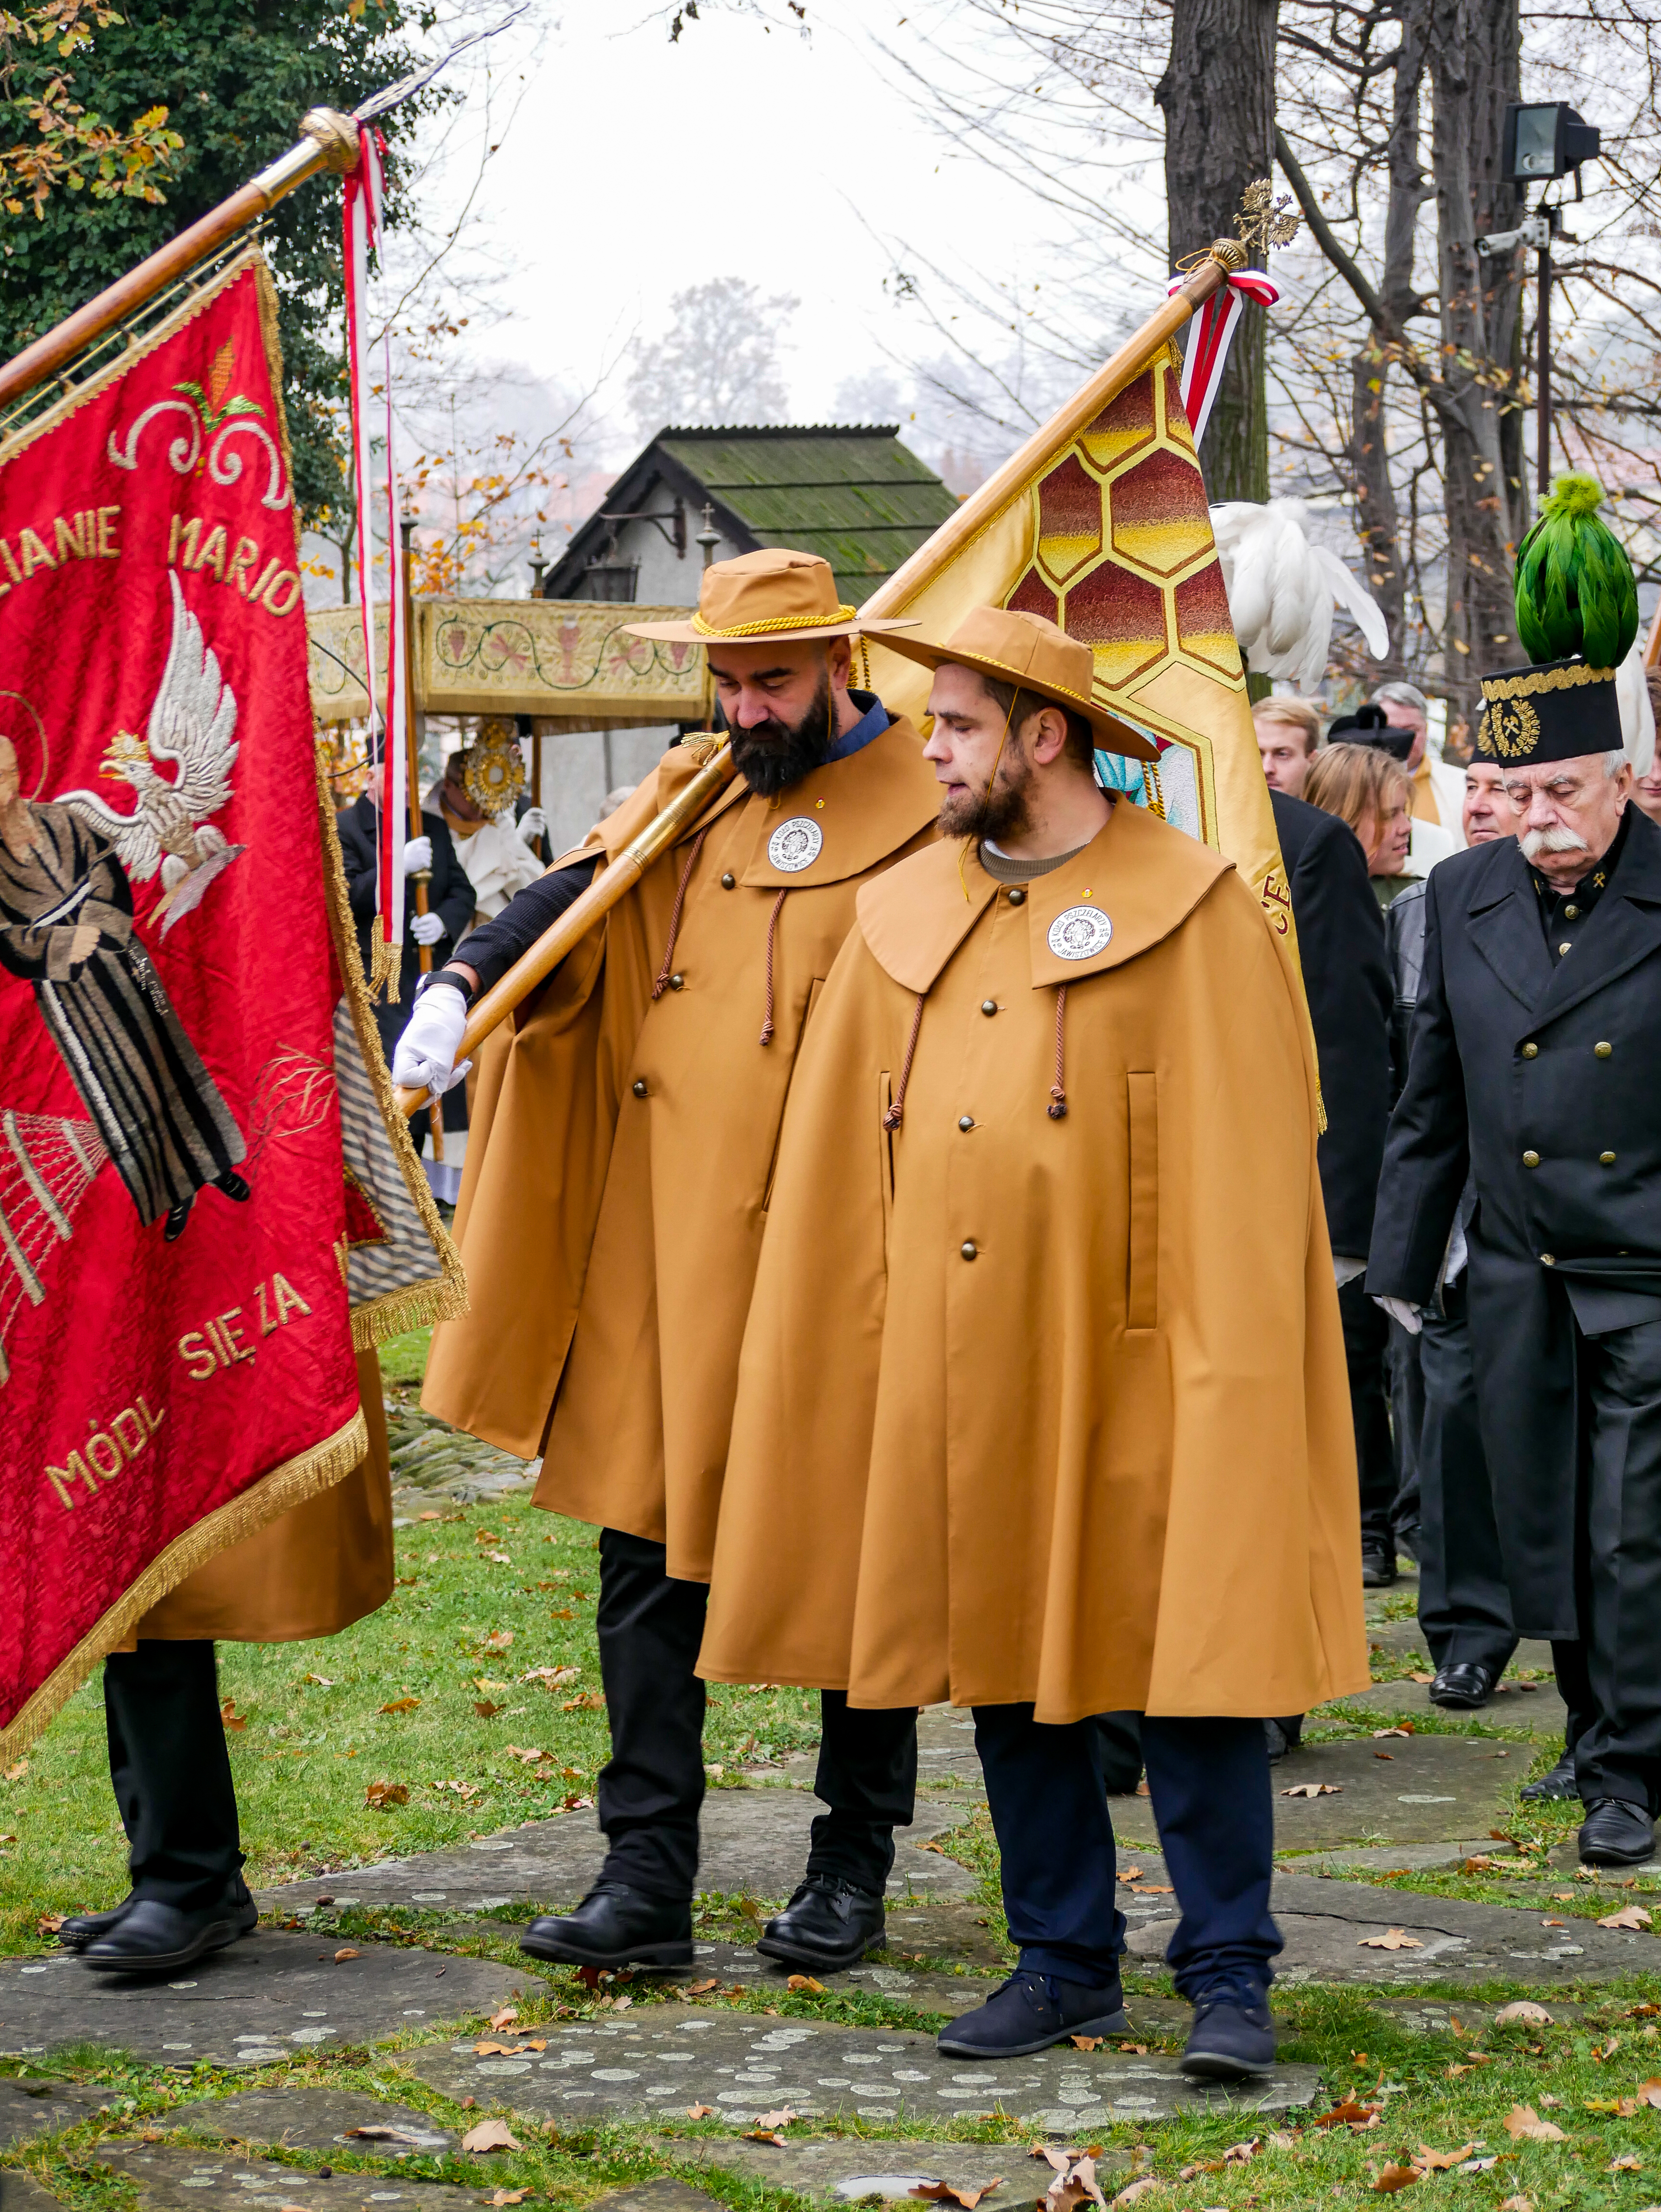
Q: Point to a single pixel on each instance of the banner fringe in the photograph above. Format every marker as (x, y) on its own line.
(266, 1500)
(434, 1298)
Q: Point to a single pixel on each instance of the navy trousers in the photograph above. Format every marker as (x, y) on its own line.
(1210, 1783)
(1464, 1607)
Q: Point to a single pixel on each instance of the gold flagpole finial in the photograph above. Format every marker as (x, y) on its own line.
(1264, 221)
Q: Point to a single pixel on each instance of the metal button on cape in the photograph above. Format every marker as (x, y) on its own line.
(1602, 1051)
(728, 882)
(967, 1122)
(1565, 946)
(988, 1006)
(1606, 1159)
(1531, 1052)
(1018, 897)
(968, 1250)
(1549, 1259)
(1570, 914)
(638, 1086)
(677, 983)
(1530, 1159)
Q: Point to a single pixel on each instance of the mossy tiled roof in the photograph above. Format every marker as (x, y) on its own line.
(858, 496)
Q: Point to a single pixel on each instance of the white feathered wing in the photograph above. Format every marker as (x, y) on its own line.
(1282, 590)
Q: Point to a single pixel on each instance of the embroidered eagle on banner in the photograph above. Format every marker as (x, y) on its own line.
(180, 772)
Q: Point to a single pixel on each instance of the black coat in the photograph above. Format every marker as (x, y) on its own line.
(1341, 945)
(449, 896)
(1514, 1055)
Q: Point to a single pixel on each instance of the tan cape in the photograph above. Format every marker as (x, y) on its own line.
(1048, 1409)
(313, 1571)
(622, 1148)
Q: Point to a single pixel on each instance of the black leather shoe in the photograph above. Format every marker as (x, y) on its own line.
(1377, 1565)
(828, 1924)
(80, 1929)
(1559, 1784)
(1616, 1833)
(614, 1927)
(151, 1938)
(1464, 1687)
(1284, 1735)
(1031, 2012)
(1409, 1538)
(1232, 2035)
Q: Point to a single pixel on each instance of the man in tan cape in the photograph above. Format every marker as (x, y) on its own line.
(1043, 1371)
(610, 1216)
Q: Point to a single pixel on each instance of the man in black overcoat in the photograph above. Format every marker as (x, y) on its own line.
(1341, 947)
(1535, 1067)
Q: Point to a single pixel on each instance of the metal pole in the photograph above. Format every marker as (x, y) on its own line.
(1543, 372)
(422, 877)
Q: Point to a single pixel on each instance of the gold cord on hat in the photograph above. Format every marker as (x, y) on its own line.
(839, 614)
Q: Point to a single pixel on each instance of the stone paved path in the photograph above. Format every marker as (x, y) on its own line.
(739, 2067)
(169, 2179)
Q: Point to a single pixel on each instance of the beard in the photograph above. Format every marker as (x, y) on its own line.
(998, 813)
(773, 755)
(1561, 839)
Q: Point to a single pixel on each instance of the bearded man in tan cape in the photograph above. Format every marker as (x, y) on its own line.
(1044, 1370)
(616, 1189)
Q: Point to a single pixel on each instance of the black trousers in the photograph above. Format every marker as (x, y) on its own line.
(1616, 1665)
(1407, 1422)
(1208, 1780)
(172, 1774)
(1366, 1334)
(651, 1789)
(1464, 1607)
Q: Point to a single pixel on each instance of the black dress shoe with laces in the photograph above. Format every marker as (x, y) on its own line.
(614, 1927)
(1616, 1833)
(1559, 1784)
(1464, 1687)
(829, 1924)
(1031, 2012)
(152, 1938)
(80, 1928)
(1377, 1565)
(1232, 2036)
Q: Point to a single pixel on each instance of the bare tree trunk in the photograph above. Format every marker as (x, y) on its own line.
(1377, 520)
(1474, 53)
(1218, 95)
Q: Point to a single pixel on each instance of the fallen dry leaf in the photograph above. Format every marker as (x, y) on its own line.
(1154, 1889)
(382, 2134)
(1523, 2125)
(1649, 2092)
(1395, 2177)
(949, 2192)
(1626, 2164)
(814, 1989)
(1131, 1874)
(499, 1639)
(1350, 2114)
(1241, 2153)
(1086, 2042)
(1384, 1755)
(781, 2118)
(506, 2017)
(764, 2135)
(1521, 2009)
(1479, 2164)
(489, 2134)
(509, 2197)
(1135, 2050)
(940, 1848)
(1629, 1915)
(702, 1989)
(382, 1794)
(16, 1773)
(1395, 1939)
(48, 1923)
(1422, 1678)
(1314, 1790)
(230, 1716)
(485, 1709)
(591, 1701)
(401, 1705)
(700, 2111)
(1134, 2191)
(528, 1752)
(1441, 2161)
(345, 1952)
(1405, 1728)
(1517, 2204)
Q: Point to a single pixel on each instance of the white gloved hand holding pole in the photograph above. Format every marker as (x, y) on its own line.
(418, 855)
(423, 1057)
(426, 929)
(1399, 1309)
(534, 826)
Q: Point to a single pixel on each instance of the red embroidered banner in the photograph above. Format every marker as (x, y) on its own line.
(176, 1358)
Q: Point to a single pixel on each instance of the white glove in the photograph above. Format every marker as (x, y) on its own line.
(422, 1057)
(426, 929)
(418, 854)
(534, 826)
(1399, 1309)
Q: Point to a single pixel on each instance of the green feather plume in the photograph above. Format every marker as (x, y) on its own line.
(1575, 588)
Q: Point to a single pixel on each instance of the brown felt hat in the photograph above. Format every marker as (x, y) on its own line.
(774, 594)
(1013, 648)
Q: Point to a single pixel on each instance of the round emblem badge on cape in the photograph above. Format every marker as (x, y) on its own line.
(795, 844)
(1080, 933)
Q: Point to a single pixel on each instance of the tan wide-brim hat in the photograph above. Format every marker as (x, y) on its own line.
(760, 597)
(1013, 648)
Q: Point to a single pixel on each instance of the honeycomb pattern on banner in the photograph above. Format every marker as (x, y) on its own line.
(1124, 561)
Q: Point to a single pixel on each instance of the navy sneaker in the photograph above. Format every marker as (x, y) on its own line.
(1232, 2036)
(1031, 2012)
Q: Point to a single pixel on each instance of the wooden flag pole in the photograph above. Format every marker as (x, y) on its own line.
(953, 534)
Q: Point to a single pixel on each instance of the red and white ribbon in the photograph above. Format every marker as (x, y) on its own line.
(365, 190)
(1208, 341)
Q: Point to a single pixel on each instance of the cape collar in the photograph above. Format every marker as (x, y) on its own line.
(1143, 878)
